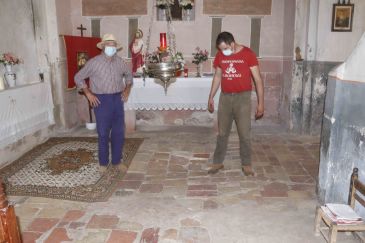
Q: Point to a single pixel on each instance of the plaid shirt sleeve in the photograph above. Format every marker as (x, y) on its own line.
(83, 74)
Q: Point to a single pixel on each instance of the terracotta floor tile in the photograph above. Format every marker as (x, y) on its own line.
(120, 236)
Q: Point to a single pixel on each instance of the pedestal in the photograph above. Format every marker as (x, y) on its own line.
(130, 121)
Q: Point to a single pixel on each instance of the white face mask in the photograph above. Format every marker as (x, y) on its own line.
(227, 52)
(110, 50)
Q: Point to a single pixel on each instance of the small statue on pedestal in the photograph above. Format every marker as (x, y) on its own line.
(136, 48)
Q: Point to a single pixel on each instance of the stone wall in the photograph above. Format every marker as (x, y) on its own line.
(114, 7)
(18, 37)
(343, 130)
(343, 139)
(237, 7)
(306, 96)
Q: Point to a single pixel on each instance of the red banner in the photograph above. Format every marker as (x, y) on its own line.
(79, 50)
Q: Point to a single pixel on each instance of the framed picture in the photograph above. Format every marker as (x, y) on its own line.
(82, 58)
(342, 17)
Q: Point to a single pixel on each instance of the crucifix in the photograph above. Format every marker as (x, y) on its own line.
(81, 28)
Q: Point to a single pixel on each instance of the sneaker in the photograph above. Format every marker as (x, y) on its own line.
(247, 170)
(214, 168)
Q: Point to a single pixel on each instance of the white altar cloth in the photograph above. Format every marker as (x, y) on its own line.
(24, 110)
(182, 94)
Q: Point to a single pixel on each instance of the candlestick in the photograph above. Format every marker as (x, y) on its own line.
(163, 44)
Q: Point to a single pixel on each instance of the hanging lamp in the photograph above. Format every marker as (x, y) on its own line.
(163, 70)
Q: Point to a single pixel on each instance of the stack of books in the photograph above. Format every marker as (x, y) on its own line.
(341, 214)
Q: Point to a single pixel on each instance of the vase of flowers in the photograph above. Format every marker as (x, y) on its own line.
(162, 6)
(199, 56)
(9, 60)
(187, 6)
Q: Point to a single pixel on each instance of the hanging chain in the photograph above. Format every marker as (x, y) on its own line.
(171, 32)
(154, 4)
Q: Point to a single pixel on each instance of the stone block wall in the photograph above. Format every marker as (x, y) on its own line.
(304, 91)
(343, 139)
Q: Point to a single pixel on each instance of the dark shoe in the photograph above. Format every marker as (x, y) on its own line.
(247, 170)
(214, 168)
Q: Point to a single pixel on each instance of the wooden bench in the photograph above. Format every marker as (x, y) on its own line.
(356, 187)
(9, 230)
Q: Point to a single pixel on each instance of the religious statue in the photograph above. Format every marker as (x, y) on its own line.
(136, 48)
(298, 56)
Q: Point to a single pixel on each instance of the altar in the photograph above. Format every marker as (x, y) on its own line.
(183, 94)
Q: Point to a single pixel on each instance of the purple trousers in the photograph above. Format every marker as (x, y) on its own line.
(109, 116)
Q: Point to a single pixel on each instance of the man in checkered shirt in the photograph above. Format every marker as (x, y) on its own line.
(110, 84)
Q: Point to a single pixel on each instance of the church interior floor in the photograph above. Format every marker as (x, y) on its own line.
(167, 196)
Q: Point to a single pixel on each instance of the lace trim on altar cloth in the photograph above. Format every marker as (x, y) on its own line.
(169, 106)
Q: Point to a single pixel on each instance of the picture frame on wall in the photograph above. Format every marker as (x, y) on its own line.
(342, 17)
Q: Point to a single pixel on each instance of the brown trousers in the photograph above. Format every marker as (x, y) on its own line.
(234, 107)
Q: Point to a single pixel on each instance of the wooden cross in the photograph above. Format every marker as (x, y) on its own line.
(81, 28)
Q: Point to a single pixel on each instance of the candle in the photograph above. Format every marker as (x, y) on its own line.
(163, 44)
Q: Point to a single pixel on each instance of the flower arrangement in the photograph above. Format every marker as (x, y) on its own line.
(164, 56)
(179, 58)
(186, 4)
(200, 56)
(162, 4)
(153, 57)
(10, 59)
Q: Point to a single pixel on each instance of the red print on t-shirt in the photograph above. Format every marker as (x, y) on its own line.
(236, 72)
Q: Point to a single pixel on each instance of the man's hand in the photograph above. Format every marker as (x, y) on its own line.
(125, 95)
(93, 100)
(259, 112)
(211, 105)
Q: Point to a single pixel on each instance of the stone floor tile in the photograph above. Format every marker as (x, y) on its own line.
(194, 234)
(30, 237)
(275, 189)
(76, 225)
(130, 226)
(94, 237)
(201, 193)
(210, 204)
(189, 222)
(42, 224)
(73, 215)
(169, 235)
(52, 212)
(302, 179)
(103, 222)
(151, 188)
(134, 176)
(202, 155)
(58, 235)
(175, 182)
(129, 184)
(120, 236)
(202, 187)
(150, 235)
(25, 211)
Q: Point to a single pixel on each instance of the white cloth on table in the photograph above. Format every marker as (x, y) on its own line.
(182, 94)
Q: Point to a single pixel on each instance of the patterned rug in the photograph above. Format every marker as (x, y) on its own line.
(65, 168)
